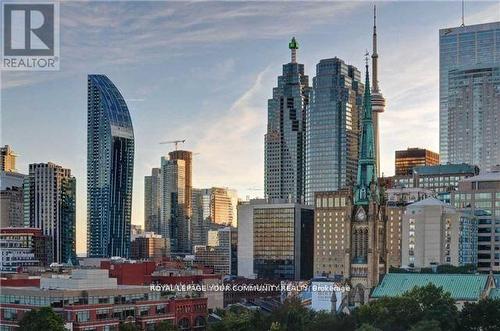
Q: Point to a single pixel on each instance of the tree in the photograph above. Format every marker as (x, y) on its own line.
(426, 326)
(435, 304)
(483, 315)
(275, 326)
(367, 327)
(42, 319)
(166, 326)
(395, 314)
(323, 321)
(128, 327)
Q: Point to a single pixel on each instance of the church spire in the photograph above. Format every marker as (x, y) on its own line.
(366, 163)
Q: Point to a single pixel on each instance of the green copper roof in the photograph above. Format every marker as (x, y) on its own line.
(461, 287)
(293, 44)
(495, 293)
(366, 162)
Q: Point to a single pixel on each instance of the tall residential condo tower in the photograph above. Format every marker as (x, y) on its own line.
(378, 101)
(110, 167)
(332, 129)
(176, 203)
(152, 201)
(469, 94)
(50, 206)
(284, 140)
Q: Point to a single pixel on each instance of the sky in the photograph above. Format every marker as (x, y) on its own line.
(203, 71)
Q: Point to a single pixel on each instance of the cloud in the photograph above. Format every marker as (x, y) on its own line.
(97, 35)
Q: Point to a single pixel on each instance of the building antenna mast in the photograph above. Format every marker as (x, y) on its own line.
(463, 13)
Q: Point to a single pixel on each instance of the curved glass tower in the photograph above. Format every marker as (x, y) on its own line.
(110, 167)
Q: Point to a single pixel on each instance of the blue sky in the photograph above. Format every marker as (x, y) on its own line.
(203, 72)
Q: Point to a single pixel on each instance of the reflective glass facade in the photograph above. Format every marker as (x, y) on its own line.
(332, 127)
(284, 140)
(110, 166)
(473, 117)
(283, 241)
(461, 50)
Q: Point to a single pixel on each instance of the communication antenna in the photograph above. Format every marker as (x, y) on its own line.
(463, 13)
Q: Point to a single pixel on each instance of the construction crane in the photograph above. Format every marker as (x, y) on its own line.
(175, 142)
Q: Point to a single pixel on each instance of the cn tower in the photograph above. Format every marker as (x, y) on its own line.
(378, 101)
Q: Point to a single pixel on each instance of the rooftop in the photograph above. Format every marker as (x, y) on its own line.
(465, 287)
(446, 169)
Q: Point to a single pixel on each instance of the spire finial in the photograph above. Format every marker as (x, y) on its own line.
(463, 13)
(293, 45)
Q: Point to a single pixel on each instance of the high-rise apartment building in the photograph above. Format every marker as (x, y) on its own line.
(284, 140)
(51, 207)
(7, 159)
(152, 201)
(332, 128)
(397, 201)
(469, 94)
(176, 195)
(410, 158)
(110, 168)
(435, 233)
(481, 195)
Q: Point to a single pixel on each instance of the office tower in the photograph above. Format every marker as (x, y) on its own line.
(442, 179)
(217, 254)
(152, 201)
(176, 211)
(378, 101)
(11, 190)
(469, 94)
(11, 207)
(284, 140)
(481, 195)
(51, 207)
(435, 233)
(149, 245)
(274, 240)
(7, 159)
(397, 201)
(110, 168)
(332, 128)
(406, 160)
(12, 199)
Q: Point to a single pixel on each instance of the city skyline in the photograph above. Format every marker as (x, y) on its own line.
(244, 96)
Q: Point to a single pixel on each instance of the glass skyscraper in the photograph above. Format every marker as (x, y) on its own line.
(332, 128)
(284, 140)
(152, 201)
(110, 167)
(469, 94)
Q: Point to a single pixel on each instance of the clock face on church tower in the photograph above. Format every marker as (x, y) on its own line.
(361, 215)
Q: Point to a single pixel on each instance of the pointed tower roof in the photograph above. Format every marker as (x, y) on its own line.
(294, 46)
(366, 163)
